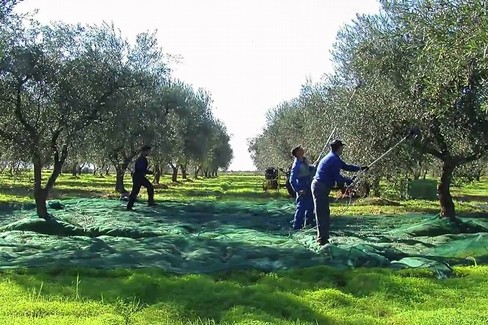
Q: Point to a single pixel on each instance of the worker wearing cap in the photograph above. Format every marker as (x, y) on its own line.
(300, 180)
(326, 177)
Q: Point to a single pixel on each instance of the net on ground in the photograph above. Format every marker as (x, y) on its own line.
(206, 237)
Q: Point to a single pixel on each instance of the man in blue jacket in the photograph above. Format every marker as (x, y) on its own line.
(300, 180)
(139, 179)
(326, 177)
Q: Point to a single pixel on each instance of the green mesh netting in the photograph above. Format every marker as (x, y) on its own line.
(207, 237)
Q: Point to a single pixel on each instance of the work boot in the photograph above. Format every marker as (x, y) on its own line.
(151, 204)
(323, 242)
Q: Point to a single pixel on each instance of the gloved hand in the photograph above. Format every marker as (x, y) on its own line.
(365, 168)
(340, 185)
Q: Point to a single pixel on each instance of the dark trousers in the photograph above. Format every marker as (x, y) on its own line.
(137, 182)
(320, 194)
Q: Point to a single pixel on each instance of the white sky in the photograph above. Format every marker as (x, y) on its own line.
(250, 54)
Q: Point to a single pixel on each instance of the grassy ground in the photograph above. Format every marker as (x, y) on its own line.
(317, 295)
(232, 187)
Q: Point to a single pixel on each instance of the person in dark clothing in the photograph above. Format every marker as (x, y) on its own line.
(139, 179)
(326, 177)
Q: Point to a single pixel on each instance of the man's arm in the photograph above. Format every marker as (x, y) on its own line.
(350, 168)
(142, 165)
(294, 176)
(339, 179)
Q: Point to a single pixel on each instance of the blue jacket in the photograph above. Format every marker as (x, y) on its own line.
(141, 165)
(301, 176)
(328, 170)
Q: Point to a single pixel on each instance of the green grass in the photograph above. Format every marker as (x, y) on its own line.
(317, 295)
(233, 187)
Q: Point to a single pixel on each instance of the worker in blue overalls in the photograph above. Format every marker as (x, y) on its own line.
(327, 177)
(300, 180)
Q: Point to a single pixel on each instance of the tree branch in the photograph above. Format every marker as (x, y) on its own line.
(18, 111)
(93, 113)
(58, 164)
(459, 160)
(100, 103)
(54, 146)
(435, 129)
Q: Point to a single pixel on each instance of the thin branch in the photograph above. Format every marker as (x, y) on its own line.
(459, 160)
(54, 146)
(57, 167)
(435, 129)
(93, 114)
(100, 103)
(18, 112)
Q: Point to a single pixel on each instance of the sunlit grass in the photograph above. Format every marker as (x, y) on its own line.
(317, 295)
(230, 187)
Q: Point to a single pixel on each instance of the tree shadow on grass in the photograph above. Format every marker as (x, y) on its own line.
(221, 195)
(200, 296)
(56, 193)
(17, 189)
(471, 198)
(85, 183)
(436, 211)
(208, 296)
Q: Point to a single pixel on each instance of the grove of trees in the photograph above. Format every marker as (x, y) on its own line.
(73, 94)
(416, 63)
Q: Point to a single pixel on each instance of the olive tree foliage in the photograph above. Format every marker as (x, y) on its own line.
(307, 120)
(82, 94)
(197, 131)
(137, 110)
(165, 142)
(282, 132)
(219, 154)
(169, 140)
(416, 63)
(10, 23)
(471, 172)
(430, 61)
(10, 27)
(55, 81)
(186, 138)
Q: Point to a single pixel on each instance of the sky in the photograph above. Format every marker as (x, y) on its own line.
(251, 55)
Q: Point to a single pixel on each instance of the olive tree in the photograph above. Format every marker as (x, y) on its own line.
(55, 81)
(427, 60)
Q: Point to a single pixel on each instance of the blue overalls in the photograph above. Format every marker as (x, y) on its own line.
(326, 177)
(300, 179)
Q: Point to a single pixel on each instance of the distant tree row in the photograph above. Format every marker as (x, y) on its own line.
(415, 63)
(73, 94)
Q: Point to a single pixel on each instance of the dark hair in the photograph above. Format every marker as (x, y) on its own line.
(145, 148)
(294, 151)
